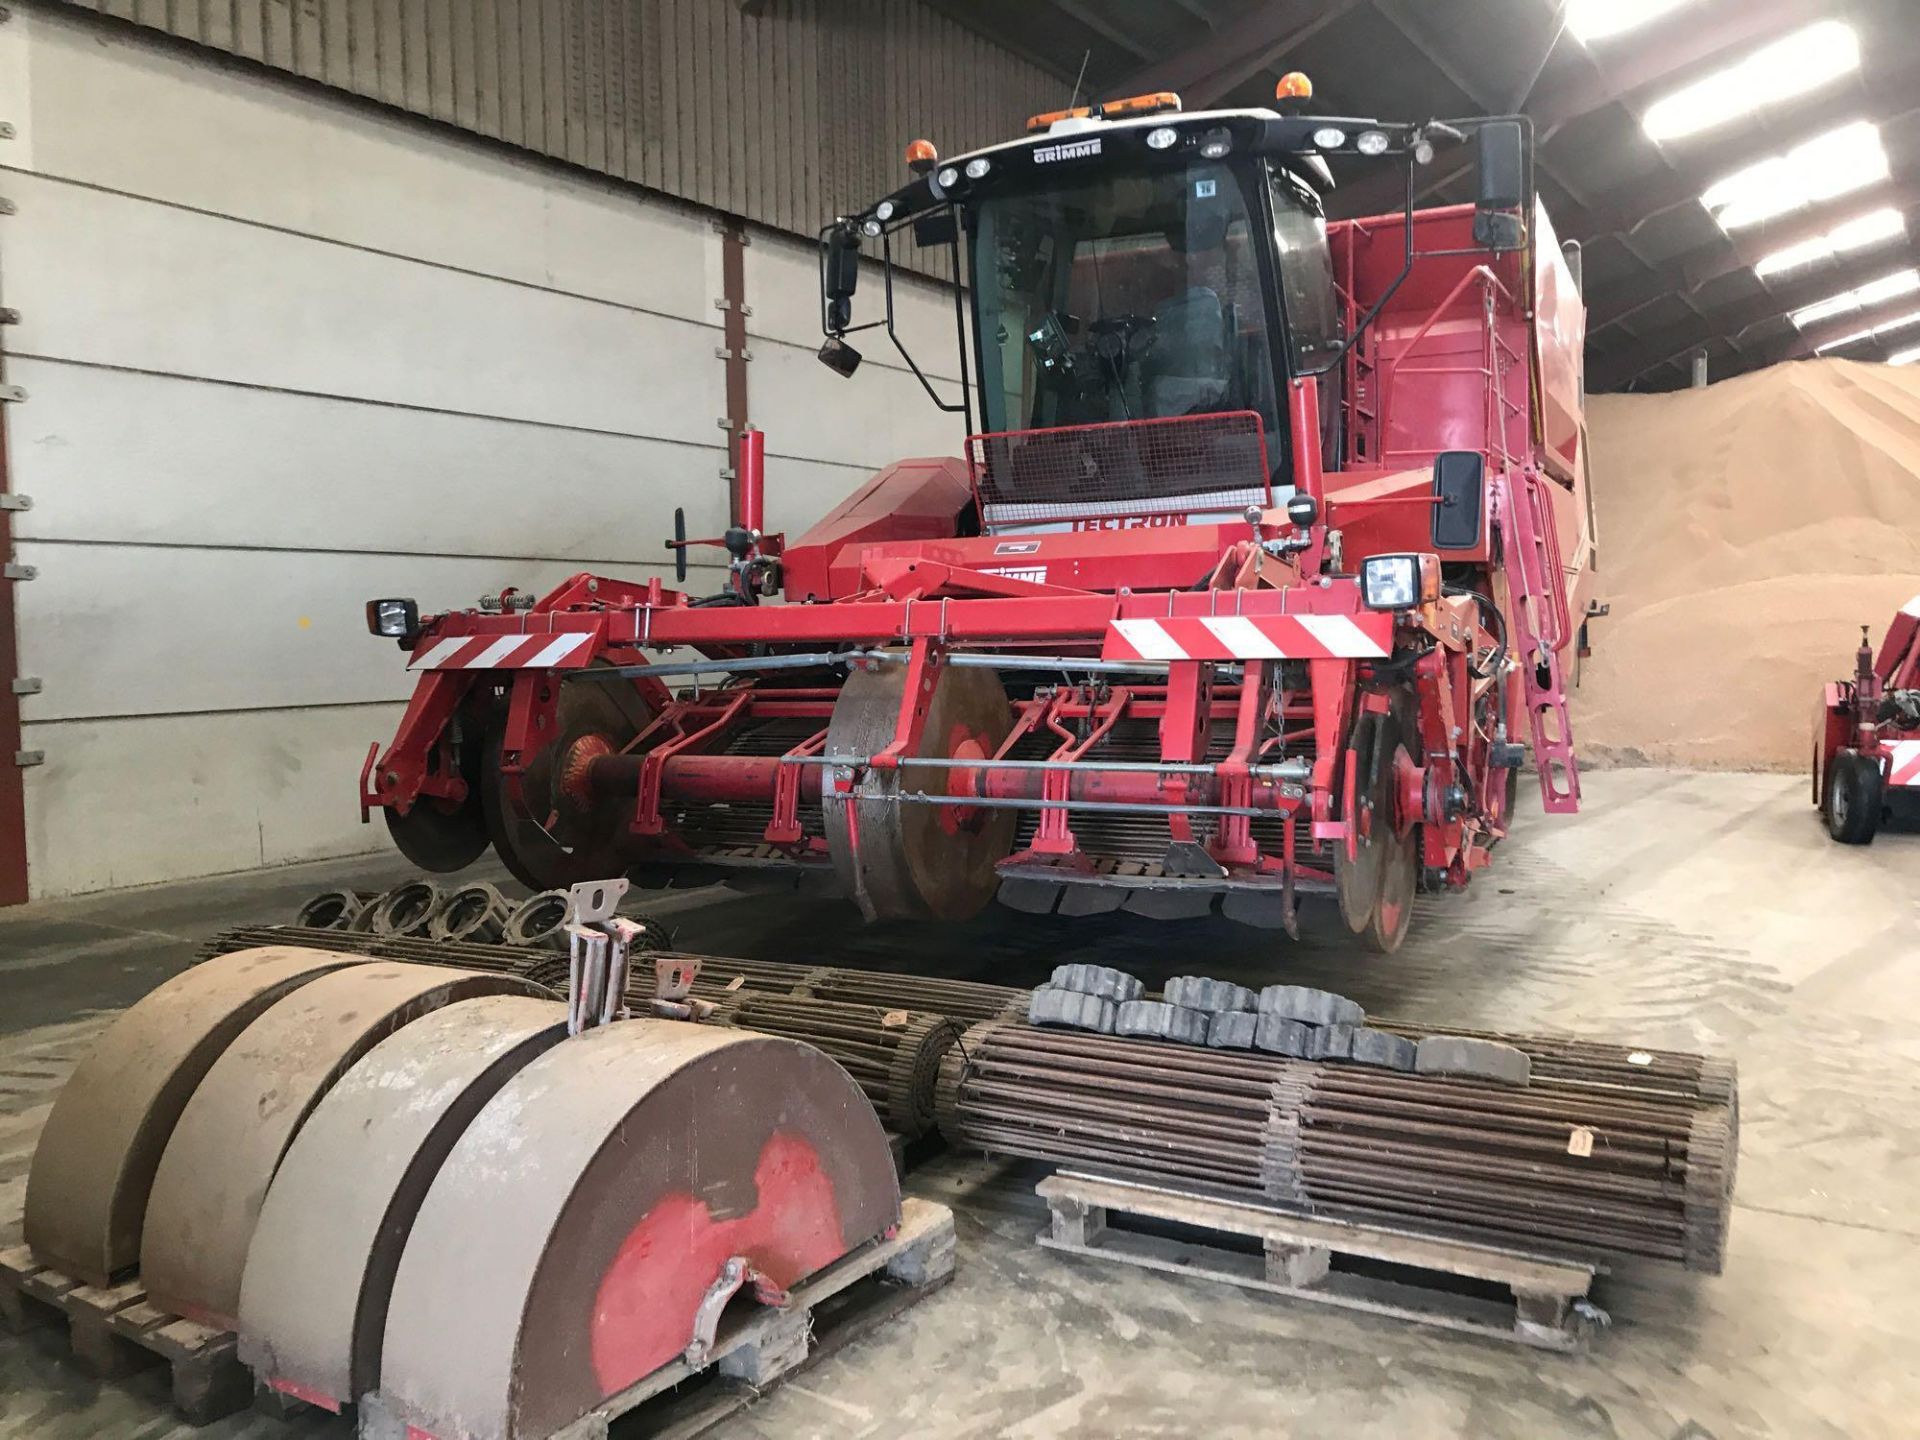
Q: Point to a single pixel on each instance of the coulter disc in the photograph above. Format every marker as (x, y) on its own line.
(440, 837)
(88, 1189)
(1357, 880)
(563, 1250)
(902, 860)
(546, 840)
(216, 1168)
(1399, 854)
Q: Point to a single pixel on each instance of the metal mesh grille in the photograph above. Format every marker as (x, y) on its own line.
(1192, 463)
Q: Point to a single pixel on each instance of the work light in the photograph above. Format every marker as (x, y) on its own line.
(395, 619)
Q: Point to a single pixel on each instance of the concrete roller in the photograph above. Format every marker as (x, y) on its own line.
(313, 1300)
(215, 1171)
(87, 1191)
(565, 1247)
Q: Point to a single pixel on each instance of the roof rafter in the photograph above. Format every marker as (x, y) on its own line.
(1220, 62)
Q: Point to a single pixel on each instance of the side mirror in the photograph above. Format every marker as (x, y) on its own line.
(1500, 222)
(840, 275)
(1460, 489)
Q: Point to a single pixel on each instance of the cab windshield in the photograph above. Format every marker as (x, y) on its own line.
(1122, 297)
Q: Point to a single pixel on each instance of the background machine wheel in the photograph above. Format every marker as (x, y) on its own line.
(546, 840)
(1854, 798)
(906, 860)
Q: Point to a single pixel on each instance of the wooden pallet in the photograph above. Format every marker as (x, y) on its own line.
(828, 1310)
(114, 1331)
(1314, 1259)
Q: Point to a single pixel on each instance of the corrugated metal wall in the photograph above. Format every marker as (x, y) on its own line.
(786, 115)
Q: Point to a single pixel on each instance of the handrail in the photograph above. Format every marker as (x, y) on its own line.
(1489, 282)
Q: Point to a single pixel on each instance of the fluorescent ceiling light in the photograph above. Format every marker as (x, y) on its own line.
(1905, 322)
(1803, 61)
(1887, 287)
(1591, 20)
(1858, 234)
(1823, 168)
(1905, 357)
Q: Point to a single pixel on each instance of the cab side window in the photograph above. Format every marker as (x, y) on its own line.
(1306, 274)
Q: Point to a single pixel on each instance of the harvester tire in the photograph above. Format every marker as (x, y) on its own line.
(1855, 798)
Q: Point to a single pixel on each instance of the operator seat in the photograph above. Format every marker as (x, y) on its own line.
(1189, 369)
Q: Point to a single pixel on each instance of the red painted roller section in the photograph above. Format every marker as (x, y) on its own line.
(643, 1311)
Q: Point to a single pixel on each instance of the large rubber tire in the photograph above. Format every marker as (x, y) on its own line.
(1854, 798)
(917, 861)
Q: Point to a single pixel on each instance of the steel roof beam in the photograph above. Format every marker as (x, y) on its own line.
(1224, 60)
(1741, 251)
(1622, 365)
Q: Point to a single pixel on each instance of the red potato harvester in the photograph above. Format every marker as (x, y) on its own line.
(1256, 581)
(1866, 746)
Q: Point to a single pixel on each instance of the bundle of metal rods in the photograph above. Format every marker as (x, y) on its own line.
(1578, 1168)
(893, 1055)
(964, 1000)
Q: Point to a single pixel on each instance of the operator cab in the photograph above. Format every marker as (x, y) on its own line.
(1145, 286)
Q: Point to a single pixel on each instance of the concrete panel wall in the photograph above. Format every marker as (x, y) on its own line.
(284, 352)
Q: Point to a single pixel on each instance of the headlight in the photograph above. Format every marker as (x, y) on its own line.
(1329, 138)
(978, 166)
(948, 178)
(395, 619)
(1162, 137)
(1400, 582)
(871, 229)
(1372, 142)
(884, 210)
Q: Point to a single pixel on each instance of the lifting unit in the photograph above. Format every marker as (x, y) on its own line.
(1256, 580)
(1866, 737)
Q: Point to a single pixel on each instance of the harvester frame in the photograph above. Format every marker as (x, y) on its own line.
(1866, 738)
(1236, 678)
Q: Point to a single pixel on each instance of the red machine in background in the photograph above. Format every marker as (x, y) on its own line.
(1263, 559)
(1866, 748)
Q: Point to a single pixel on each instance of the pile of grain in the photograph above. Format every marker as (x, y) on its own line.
(1747, 531)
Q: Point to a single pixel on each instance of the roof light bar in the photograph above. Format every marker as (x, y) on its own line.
(1152, 104)
(1887, 287)
(1860, 233)
(1823, 168)
(1799, 63)
(1591, 20)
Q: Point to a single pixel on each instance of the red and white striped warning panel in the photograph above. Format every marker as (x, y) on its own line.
(1367, 636)
(1903, 763)
(564, 651)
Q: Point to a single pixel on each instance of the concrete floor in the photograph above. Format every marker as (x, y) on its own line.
(1681, 909)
